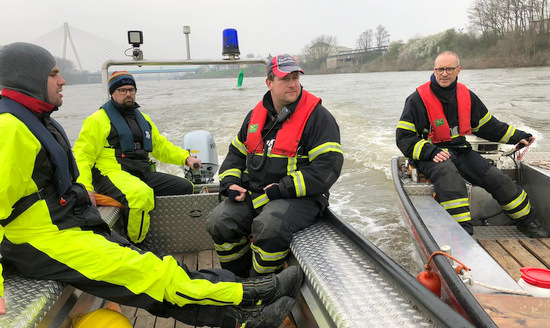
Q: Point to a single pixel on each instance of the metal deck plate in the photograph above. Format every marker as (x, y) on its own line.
(28, 300)
(497, 232)
(350, 287)
(178, 224)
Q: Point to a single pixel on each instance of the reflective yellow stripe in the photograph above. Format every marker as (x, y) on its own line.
(484, 120)
(418, 148)
(260, 201)
(299, 183)
(516, 202)
(234, 256)
(509, 133)
(291, 166)
(239, 145)
(406, 126)
(229, 246)
(266, 256)
(521, 213)
(455, 203)
(325, 148)
(231, 172)
(462, 217)
(265, 269)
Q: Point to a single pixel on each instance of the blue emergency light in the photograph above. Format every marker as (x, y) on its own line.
(230, 44)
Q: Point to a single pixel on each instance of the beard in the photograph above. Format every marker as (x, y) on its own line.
(128, 104)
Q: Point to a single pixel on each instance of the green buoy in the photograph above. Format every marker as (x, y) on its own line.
(240, 79)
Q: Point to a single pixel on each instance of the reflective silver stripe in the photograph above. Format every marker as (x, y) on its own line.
(516, 202)
(265, 256)
(234, 256)
(522, 213)
(299, 183)
(484, 120)
(291, 166)
(239, 145)
(455, 203)
(265, 269)
(406, 126)
(228, 246)
(324, 148)
(462, 217)
(260, 201)
(509, 133)
(418, 148)
(231, 172)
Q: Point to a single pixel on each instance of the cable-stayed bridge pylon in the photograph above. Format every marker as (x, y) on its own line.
(85, 50)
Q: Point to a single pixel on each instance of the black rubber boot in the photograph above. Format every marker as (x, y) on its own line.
(532, 228)
(267, 289)
(270, 316)
(468, 226)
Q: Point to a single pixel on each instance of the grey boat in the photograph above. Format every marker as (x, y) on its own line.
(488, 294)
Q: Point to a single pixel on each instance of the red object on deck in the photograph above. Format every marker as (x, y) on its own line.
(431, 280)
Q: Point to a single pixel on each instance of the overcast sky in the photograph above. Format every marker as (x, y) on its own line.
(264, 27)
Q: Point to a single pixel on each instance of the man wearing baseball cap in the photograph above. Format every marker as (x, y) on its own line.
(50, 230)
(276, 175)
(123, 169)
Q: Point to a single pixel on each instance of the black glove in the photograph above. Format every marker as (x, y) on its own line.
(273, 192)
(232, 194)
(527, 137)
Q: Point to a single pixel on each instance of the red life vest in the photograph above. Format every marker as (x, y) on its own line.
(440, 127)
(288, 137)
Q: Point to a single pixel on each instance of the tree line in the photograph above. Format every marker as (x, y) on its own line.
(511, 33)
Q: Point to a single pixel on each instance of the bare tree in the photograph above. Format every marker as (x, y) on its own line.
(497, 17)
(365, 40)
(382, 36)
(316, 52)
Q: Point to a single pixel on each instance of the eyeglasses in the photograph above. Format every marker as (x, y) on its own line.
(125, 91)
(449, 70)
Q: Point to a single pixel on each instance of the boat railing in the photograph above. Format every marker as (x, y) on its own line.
(175, 62)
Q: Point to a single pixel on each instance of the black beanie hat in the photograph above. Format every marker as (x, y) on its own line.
(25, 68)
(120, 78)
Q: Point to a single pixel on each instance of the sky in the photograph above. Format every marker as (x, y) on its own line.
(263, 27)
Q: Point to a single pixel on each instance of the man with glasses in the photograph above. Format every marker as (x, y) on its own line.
(431, 132)
(112, 154)
(49, 230)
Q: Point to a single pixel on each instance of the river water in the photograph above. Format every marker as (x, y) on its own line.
(367, 107)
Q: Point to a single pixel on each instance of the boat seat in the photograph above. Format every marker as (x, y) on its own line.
(338, 300)
(46, 303)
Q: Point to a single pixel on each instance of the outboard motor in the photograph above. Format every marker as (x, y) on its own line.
(200, 143)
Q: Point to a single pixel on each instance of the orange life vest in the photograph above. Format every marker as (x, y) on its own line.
(440, 127)
(288, 137)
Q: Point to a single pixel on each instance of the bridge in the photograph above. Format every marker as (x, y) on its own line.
(80, 52)
(353, 57)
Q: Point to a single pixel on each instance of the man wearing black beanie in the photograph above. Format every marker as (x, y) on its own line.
(50, 230)
(123, 170)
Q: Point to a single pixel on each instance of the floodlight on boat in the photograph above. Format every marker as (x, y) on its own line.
(230, 44)
(135, 38)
